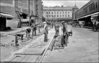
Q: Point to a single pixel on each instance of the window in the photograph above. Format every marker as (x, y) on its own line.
(96, 5)
(63, 12)
(6, 1)
(68, 16)
(52, 16)
(60, 12)
(52, 12)
(46, 12)
(57, 15)
(49, 12)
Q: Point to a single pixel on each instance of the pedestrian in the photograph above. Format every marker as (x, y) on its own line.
(64, 38)
(81, 24)
(94, 24)
(97, 25)
(39, 26)
(56, 30)
(45, 32)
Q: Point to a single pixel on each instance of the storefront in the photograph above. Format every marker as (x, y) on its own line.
(3, 18)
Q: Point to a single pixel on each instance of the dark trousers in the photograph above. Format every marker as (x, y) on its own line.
(64, 40)
(56, 33)
(45, 37)
(94, 27)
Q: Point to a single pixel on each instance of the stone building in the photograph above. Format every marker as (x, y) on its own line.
(58, 13)
(88, 11)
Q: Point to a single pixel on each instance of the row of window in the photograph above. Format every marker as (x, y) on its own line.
(6, 1)
(57, 12)
(91, 8)
(58, 16)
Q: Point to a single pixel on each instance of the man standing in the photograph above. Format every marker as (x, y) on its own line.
(28, 31)
(81, 23)
(32, 26)
(64, 38)
(94, 23)
(97, 25)
(56, 30)
(69, 29)
(45, 32)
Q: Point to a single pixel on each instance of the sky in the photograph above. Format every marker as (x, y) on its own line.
(51, 3)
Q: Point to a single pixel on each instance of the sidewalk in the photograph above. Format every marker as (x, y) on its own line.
(30, 52)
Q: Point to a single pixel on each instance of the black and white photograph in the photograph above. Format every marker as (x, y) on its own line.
(49, 31)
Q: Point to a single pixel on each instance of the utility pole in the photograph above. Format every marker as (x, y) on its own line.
(29, 11)
(36, 11)
(18, 14)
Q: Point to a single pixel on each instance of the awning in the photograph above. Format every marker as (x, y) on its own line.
(6, 15)
(92, 15)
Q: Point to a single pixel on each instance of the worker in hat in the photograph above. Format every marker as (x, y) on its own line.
(94, 23)
(45, 32)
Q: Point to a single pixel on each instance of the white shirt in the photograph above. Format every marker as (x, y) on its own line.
(69, 28)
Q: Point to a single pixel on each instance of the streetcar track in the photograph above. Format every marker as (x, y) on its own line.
(41, 57)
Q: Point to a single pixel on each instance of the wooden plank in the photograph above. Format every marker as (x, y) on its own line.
(15, 31)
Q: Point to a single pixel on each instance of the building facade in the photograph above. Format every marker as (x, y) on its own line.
(58, 13)
(74, 9)
(39, 11)
(89, 10)
(25, 8)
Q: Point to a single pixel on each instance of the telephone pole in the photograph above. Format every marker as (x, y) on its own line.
(29, 11)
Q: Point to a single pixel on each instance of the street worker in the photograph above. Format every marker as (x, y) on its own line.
(45, 32)
(69, 29)
(28, 33)
(39, 26)
(56, 30)
(94, 23)
(32, 27)
(35, 28)
(64, 39)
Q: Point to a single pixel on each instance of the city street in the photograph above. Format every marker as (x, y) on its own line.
(83, 47)
(48, 31)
